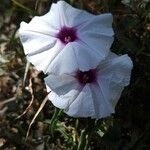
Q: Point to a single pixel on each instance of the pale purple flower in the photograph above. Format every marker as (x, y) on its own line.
(93, 93)
(67, 33)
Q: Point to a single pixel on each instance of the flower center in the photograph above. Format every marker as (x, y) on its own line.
(85, 77)
(67, 34)
(67, 39)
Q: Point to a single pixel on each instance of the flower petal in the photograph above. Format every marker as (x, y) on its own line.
(111, 91)
(71, 16)
(99, 43)
(64, 62)
(63, 101)
(43, 59)
(100, 23)
(61, 84)
(74, 56)
(40, 33)
(65, 86)
(35, 41)
(85, 56)
(97, 34)
(101, 106)
(46, 24)
(114, 75)
(82, 106)
(117, 67)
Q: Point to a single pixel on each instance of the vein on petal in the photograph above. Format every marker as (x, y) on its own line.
(45, 48)
(105, 99)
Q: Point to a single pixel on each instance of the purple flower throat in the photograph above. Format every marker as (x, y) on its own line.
(85, 77)
(67, 34)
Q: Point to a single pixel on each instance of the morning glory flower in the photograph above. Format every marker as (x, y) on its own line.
(66, 31)
(93, 93)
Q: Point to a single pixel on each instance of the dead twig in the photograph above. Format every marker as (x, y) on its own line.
(3, 111)
(7, 101)
(32, 99)
(35, 116)
(26, 72)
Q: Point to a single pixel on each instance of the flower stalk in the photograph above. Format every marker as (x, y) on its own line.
(83, 144)
(86, 134)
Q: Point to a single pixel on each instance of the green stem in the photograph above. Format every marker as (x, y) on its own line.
(54, 119)
(86, 134)
(28, 10)
(83, 140)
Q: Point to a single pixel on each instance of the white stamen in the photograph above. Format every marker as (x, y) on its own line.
(67, 39)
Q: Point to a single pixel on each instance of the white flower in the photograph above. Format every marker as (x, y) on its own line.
(93, 93)
(66, 31)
